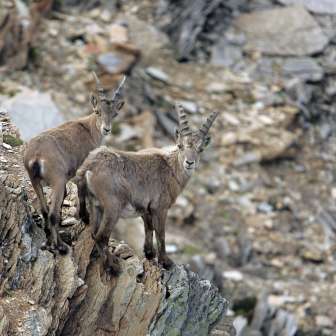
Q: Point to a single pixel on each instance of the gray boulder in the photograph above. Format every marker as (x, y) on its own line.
(289, 31)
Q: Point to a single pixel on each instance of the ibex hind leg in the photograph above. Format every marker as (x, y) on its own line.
(111, 261)
(82, 196)
(36, 183)
(55, 217)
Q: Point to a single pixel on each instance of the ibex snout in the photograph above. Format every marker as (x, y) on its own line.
(189, 164)
(106, 130)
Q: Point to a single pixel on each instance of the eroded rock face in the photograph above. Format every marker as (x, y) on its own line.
(289, 31)
(46, 294)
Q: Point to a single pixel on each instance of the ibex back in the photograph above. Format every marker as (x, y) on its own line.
(54, 156)
(144, 183)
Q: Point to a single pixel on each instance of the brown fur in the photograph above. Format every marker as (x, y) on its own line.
(54, 156)
(144, 183)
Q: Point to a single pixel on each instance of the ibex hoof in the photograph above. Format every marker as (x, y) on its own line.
(112, 265)
(150, 254)
(63, 249)
(166, 263)
(113, 270)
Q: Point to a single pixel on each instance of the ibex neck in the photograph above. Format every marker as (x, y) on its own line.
(177, 168)
(94, 128)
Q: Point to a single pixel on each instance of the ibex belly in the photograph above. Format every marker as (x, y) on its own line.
(130, 212)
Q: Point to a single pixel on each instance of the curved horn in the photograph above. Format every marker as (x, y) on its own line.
(183, 120)
(100, 89)
(207, 125)
(117, 91)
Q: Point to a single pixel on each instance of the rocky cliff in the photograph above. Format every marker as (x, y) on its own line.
(46, 294)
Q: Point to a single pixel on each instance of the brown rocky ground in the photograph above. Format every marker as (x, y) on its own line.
(258, 217)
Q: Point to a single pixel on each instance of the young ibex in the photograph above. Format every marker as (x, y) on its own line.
(145, 183)
(54, 156)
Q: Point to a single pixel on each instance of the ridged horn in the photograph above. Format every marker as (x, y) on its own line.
(117, 93)
(183, 120)
(207, 125)
(100, 89)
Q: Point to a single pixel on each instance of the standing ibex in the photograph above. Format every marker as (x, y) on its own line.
(54, 156)
(146, 183)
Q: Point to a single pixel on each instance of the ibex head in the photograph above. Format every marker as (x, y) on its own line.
(191, 143)
(106, 108)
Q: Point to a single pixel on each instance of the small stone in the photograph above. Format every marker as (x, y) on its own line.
(265, 207)
(53, 32)
(80, 98)
(69, 221)
(217, 87)
(247, 158)
(280, 300)
(222, 248)
(233, 275)
(118, 33)
(157, 74)
(313, 254)
(67, 203)
(213, 184)
(106, 15)
(233, 185)
(6, 146)
(239, 324)
(305, 68)
(333, 192)
(171, 248)
(325, 131)
(115, 62)
(182, 201)
(226, 54)
(127, 133)
(189, 106)
(324, 321)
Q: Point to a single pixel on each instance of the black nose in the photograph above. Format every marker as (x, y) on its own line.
(107, 130)
(189, 162)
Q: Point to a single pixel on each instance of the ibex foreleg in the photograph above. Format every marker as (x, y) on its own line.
(159, 221)
(149, 229)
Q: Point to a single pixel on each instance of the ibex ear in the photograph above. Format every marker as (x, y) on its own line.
(120, 104)
(94, 102)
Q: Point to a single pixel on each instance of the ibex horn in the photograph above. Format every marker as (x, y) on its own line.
(117, 91)
(100, 89)
(207, 125)
(183, 120)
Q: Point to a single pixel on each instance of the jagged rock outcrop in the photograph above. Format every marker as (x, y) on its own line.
(46, 294)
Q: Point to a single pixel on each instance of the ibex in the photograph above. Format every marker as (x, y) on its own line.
(53, 156)
(146, 183)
